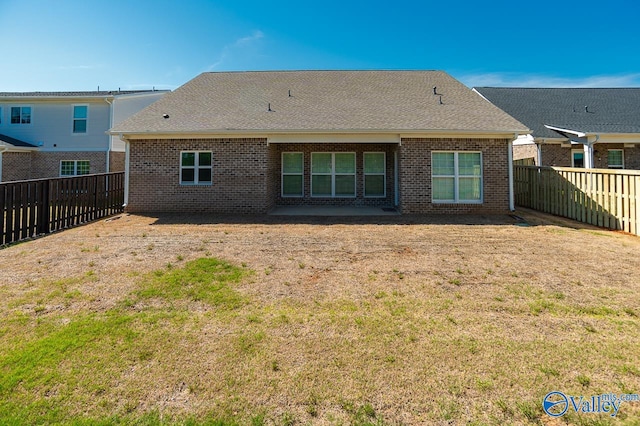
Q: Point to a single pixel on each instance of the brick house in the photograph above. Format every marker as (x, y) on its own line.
(578, 127)
(49, 134)
(246, 142)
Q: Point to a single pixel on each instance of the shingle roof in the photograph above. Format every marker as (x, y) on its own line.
(310, 101)
(92, 94)
(16, 142)
(615, 110)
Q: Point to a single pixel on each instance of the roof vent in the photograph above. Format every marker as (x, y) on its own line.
(165, 116)
(269, 108)
(441, 100)
(290, 95)
(435, 90)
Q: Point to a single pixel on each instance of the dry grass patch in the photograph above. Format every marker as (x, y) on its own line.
(317, 323)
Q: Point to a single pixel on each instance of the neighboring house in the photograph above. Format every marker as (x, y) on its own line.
(246, 142)
(48, 134)
(592, 128)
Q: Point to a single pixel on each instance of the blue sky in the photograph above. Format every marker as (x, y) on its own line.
(139, 44)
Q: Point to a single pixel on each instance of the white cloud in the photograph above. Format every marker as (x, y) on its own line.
(539, 80)
(236, 48)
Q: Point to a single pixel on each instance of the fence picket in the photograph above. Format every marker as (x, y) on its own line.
(602, 197)
(41, 206)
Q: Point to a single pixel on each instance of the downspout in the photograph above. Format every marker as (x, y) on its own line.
(3, 148)
(126, 171)
(539, 159)
(108, 168)
(510, 160)
(590, 150)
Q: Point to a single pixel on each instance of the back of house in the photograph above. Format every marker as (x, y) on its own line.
(246, 142)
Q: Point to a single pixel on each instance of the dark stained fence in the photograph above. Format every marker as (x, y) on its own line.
(35, 207)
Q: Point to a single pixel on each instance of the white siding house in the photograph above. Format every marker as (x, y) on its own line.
(48, 134)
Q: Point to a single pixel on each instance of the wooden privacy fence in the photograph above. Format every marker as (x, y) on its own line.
(601, 197)
(41, 206)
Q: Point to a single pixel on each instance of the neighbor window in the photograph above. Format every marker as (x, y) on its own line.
(292, 174)
(615, 159)
(333, 174)
(21, 115)
(456, 177)
(577, 158)
(74, 167)
(374, 174)
(195, 168)
(80, 118)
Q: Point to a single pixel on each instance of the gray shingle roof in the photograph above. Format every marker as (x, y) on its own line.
(16, 142)
(310, 101)
(615, 110)
(90, 94)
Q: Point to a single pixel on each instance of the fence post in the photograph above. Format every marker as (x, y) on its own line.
(44, 215)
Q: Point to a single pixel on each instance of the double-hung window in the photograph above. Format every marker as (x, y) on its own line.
(615, 158)
(80, 118)
(456, 177)
(21, 115)
(196, 167)
(333, 174)
(292, 174)
(74, 167)
(374, 174)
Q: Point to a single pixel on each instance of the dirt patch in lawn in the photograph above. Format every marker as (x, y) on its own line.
(394, 320)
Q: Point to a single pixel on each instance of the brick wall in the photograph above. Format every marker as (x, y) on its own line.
(276, 150)
(47, 164)
(116, 161)
(239, 176)
(521, 152)
(415, 175)
(632, 157)
(16, 166)
(555, 155)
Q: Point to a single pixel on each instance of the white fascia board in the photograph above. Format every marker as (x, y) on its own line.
(573, 132)
(527, 139)
(334, 138)
(388, 134)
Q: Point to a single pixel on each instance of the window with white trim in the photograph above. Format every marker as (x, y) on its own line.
(80, 118)
(333, 174)
(21, 115)
(615, 158)
(577, 158)
(456, 177)
(74, 167)
(292, 174)
(375, 174)
(196, 167)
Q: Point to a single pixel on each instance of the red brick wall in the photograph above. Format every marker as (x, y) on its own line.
(555, 155)
(275, 151)
(47, 164)
(239, 176)
(415, 175)
(521, 152)
(16, 166)
(116, 161)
